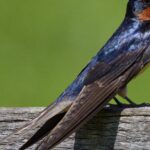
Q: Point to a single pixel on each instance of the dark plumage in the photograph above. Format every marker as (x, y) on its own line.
(122, 58)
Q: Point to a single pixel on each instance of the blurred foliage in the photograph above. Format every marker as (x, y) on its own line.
(45, 44)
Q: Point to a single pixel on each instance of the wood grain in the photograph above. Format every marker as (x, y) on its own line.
(113, 128)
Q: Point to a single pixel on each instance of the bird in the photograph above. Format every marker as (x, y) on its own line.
(124, 56)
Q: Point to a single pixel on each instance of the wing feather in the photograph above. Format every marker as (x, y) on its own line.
(62, 118)
(51, 115)
(93, 97)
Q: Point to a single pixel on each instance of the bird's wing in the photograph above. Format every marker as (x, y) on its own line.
(94, 96)
(46, 120)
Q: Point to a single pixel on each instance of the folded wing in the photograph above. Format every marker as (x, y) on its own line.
(41, 125)
(94, 95)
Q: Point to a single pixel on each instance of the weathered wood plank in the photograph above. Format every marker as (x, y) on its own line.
(113, 128)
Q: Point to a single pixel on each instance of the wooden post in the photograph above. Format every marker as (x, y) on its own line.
(111, 129)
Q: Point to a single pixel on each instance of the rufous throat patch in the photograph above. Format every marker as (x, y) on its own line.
(144, 15)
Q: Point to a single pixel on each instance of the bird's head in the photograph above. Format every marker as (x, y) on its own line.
(139, 9)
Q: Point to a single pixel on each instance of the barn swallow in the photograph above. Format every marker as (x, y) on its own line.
(122, 58)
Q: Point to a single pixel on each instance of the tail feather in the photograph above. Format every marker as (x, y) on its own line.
(51, 115)
(91, 99)
(44, 130)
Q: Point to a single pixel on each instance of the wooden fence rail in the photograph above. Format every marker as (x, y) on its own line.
(111, 129)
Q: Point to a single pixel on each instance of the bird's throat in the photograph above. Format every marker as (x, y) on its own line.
(144, 15)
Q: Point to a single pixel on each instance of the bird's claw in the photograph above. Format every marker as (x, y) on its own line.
(131, 103)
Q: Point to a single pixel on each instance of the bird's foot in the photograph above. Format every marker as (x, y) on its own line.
(120, 104)
(136, 105)
(143, 105)
(123, 105)
(131, 103)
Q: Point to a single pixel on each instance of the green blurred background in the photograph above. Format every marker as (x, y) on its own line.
(45, 44)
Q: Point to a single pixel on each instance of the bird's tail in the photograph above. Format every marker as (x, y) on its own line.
(46, 121)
